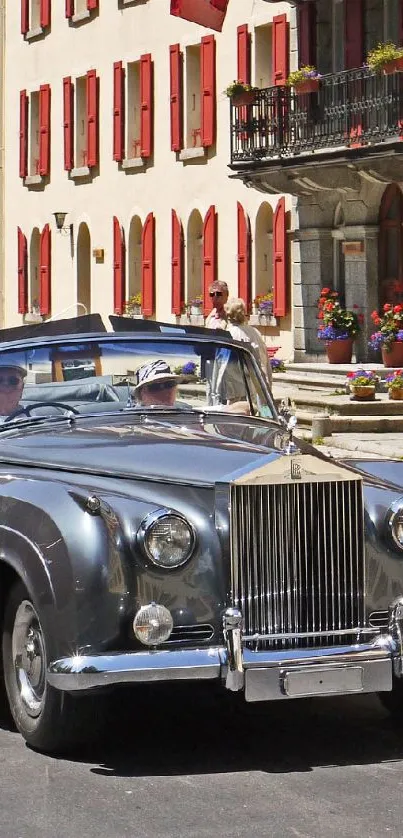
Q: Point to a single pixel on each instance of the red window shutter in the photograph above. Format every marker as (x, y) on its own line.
(146, 104)
(23, 133)
(92, 118)
(307, 34)
(208, 91)
(177, 264)
(24, 17)
(118, 267)
(354, 33)
(45, 270)
(69, 8)
(68, 124)
(148, 265)
(176, 96)
(243, 54)
(92, 4)
(280, 260)
(244, 261)
(209, 13)
(209, 255)
(118, 111)
(22, 273)
(45, 13)
(44, 129)
(280, 49)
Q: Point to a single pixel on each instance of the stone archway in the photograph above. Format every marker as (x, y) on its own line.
(194, 262)
(84, 266)
(391, 246)
(263, 274)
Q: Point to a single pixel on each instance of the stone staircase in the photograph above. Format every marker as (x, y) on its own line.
(324, 406)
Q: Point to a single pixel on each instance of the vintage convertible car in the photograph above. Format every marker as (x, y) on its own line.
(194, 541)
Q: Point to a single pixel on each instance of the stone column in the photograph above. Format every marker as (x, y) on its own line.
(312, 260)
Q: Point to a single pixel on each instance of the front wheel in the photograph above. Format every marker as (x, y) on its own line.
(48, 719)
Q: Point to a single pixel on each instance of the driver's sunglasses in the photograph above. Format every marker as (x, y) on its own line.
(161, 385)
(10, 380)
(215, 294)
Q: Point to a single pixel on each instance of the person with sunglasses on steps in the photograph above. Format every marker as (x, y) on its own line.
(218, 293)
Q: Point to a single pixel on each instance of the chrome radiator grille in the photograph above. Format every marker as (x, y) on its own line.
(297, 558)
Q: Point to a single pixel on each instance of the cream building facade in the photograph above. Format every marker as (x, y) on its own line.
(94, 103)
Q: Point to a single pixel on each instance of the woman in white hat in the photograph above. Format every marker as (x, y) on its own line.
(156, 384)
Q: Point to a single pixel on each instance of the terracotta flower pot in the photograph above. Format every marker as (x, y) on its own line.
(340, 351)
(393, 66)
(363, 392)
(247, 97)
(393, 355)
(308, 86)
(396, 393)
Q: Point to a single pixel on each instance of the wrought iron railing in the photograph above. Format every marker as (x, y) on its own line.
(351, 108)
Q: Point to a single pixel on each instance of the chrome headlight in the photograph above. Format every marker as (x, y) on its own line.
(396, 527)
(167, 539)
(152, 624)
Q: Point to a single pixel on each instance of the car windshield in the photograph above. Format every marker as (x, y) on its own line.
(116, 374)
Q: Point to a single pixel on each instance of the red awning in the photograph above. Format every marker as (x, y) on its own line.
(209, 13)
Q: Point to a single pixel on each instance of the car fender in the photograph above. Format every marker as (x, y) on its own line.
(71, 561)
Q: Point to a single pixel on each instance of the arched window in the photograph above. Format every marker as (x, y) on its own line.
(194, 266)
(84, 266)
(263, 250)
(34, 292)
(134, 259)
(391, 246)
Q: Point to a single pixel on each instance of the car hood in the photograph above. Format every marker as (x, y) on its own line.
(195, 450)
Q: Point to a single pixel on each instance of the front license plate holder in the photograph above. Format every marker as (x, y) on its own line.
(321, 680)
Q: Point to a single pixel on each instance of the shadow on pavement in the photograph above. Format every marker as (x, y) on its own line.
(168, 732)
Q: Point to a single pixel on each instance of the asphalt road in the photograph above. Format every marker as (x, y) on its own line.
(176, 763)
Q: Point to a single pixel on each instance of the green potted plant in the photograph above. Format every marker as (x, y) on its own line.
(338, 326)
(263, 304)
(241, 93)
(394, 384)
(362, 384)
(132, 307)
(304, 80)
(386, 58)
(389, 335)
(195, 305)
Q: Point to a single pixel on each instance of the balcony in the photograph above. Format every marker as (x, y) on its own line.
(355, 118)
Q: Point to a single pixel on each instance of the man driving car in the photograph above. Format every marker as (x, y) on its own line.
(11, 386)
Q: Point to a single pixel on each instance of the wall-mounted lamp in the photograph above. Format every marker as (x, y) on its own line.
(60, 219)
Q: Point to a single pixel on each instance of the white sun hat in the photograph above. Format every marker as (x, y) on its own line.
(153, 372)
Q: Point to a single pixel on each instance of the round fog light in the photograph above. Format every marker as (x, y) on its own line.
(152, 624)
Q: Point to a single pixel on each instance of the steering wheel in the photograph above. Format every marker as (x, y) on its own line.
(26, 411)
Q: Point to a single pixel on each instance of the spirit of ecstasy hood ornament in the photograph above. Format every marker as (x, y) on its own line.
(289, 420)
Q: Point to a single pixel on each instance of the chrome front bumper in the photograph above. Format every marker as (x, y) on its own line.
(264, 676)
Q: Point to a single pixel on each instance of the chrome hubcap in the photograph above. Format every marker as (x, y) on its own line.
(29, 658)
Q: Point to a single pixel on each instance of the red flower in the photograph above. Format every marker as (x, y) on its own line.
(324, 291)
(321, 315)
(387, 307)
(397, 309)
(350, 375)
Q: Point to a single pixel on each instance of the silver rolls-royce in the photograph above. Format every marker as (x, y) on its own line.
(159, 522)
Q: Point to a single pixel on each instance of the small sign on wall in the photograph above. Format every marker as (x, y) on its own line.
(352, 248)
(99, 254)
